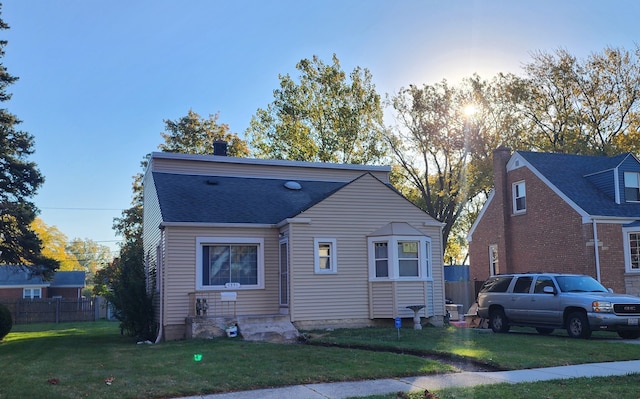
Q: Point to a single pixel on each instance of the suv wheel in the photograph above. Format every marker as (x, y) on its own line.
(578, 325)
(498, 321)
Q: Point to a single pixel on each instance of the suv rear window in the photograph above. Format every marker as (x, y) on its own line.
(496, 284)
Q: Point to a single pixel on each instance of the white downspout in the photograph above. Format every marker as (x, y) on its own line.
(596, 249)
(159, 270)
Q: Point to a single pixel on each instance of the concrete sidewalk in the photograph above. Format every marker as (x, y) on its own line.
(340, 390)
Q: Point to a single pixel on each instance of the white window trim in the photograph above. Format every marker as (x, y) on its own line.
(637, 176)
(425, 266)
(31, 290)
(202, 241)
(626, 231)
(333, 258)
(513, 197)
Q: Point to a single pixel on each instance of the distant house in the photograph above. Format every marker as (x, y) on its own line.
(318, 244)
(18, 281)
(561, 213)
(67, 284)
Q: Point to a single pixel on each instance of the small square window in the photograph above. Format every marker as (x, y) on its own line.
(325, 255)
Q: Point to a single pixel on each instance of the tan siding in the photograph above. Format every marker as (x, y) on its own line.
(383, 300)
(294, 171)
(151, 237)
(180, 275)
(348, 216)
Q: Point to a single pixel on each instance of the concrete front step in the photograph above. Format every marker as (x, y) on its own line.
(270, 328)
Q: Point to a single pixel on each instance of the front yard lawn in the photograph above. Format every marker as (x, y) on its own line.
(75, 360)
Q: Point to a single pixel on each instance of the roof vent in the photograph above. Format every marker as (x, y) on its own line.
(293, 185)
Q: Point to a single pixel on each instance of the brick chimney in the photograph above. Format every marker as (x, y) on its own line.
(220, 148)
(502, 198)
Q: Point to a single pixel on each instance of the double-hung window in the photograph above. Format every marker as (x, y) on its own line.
(632, 249)
(325, 258)
(229, 263)
(32, 293)
(399, 258)
(632, 186)
(519, 198)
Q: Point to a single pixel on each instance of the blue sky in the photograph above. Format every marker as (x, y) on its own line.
(97, 78)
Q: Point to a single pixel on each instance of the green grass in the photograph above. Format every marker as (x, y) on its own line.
(80, 356)
(513, 351)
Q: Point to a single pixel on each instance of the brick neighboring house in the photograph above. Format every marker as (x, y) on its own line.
(23, 282)
(547, 211)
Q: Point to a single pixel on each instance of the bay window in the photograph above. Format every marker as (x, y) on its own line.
(399, 258)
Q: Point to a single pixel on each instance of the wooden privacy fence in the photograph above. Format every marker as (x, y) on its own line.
(51, 310)
(460, 292)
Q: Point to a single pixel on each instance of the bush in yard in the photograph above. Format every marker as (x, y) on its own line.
(6, 323)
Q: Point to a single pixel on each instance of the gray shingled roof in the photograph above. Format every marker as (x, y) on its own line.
(68, 279)
(567, 172)
(15, 275)
(214, 199)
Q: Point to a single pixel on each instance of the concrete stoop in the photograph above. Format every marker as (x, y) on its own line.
(275, 328)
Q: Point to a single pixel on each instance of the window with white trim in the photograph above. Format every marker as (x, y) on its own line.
(399, 258)
(632, 250)
(229, 263)
(519, 197)
(631, 186)
(32, 293)
(324, 254)
(494, 266)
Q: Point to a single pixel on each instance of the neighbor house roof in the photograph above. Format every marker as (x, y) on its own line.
(68, 279)
(214, 199)
(17, 276)
(568, 173)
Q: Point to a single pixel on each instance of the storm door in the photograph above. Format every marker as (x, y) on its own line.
(284, 273)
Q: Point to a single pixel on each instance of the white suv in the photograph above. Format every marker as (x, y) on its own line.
(548, 301)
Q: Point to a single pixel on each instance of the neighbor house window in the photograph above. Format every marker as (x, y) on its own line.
(519, 197)
(632, 250)
(32, 293)
(325, 255)
(632, 186)
(395, 258)
(230, 263)
(493, 260)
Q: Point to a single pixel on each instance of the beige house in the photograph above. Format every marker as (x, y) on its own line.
(318, 245)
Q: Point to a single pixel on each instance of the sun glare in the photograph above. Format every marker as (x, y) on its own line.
(469, 110)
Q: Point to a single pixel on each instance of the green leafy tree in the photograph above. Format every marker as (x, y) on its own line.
(19, 181)
(54, 244)
(326, 117)
(193, 134)
(569, 105)
(90, 256)
(443, 143)
(6, 321)
(123, 281)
